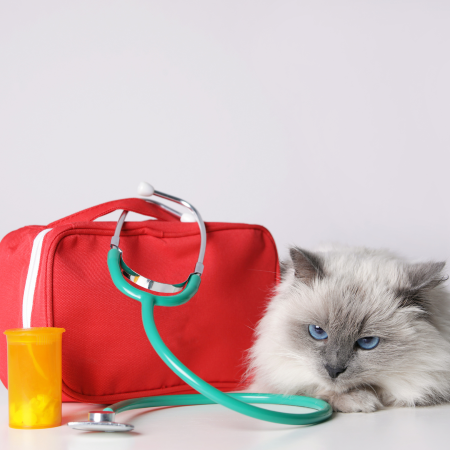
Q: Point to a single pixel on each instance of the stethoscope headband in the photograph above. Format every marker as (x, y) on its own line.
(147, 190)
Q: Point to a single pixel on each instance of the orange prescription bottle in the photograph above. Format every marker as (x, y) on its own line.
(34, 377)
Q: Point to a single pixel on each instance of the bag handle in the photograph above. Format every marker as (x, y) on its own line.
(136, 205)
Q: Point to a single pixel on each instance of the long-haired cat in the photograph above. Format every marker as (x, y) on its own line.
(360, 328)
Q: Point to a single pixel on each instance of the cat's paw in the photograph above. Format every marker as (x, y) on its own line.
(355, 401)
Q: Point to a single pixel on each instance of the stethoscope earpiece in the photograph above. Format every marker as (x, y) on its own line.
(145, 189)
(187, 217)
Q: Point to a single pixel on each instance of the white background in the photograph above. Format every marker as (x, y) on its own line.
(322, 120)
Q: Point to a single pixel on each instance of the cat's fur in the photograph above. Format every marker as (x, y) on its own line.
(353, 293)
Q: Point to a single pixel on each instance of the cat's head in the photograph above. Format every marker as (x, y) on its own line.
(347, 318)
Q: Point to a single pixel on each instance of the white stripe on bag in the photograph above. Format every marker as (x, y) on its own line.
(30, 284)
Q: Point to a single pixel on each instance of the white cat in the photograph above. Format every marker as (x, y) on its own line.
(359, 328)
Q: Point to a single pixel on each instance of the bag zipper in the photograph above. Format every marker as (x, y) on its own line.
(30, 284)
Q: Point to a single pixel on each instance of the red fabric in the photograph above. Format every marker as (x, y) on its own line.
(106, 354)
(130, 204)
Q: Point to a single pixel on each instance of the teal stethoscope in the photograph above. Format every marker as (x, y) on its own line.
(124, 279)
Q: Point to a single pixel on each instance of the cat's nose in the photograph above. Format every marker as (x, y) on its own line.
(334, 372)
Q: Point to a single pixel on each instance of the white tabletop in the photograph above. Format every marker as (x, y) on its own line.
(214, 427)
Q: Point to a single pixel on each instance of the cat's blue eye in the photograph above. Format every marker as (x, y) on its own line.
(317, 332)
(368, 343)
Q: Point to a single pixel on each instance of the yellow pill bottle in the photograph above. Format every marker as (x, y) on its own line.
(34, 377)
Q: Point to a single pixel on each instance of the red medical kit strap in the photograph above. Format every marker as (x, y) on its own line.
(136, 205)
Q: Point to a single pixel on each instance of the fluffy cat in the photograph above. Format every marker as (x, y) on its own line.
(359, 328)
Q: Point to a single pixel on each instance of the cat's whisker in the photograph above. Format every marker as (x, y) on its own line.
(289, 355)
(370, 387)
(259, 270)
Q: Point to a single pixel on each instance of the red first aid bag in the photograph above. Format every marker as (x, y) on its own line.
(57, 276)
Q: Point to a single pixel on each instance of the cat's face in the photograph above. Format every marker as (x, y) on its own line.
(351, 334)
(346, 320)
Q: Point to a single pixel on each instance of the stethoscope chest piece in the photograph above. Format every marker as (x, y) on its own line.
(101, 421)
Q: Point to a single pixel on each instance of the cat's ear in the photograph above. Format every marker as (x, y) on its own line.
(422, 277)
(307, 265)
(425, 275)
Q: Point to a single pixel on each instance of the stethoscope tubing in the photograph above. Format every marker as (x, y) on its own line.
(238, 402)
